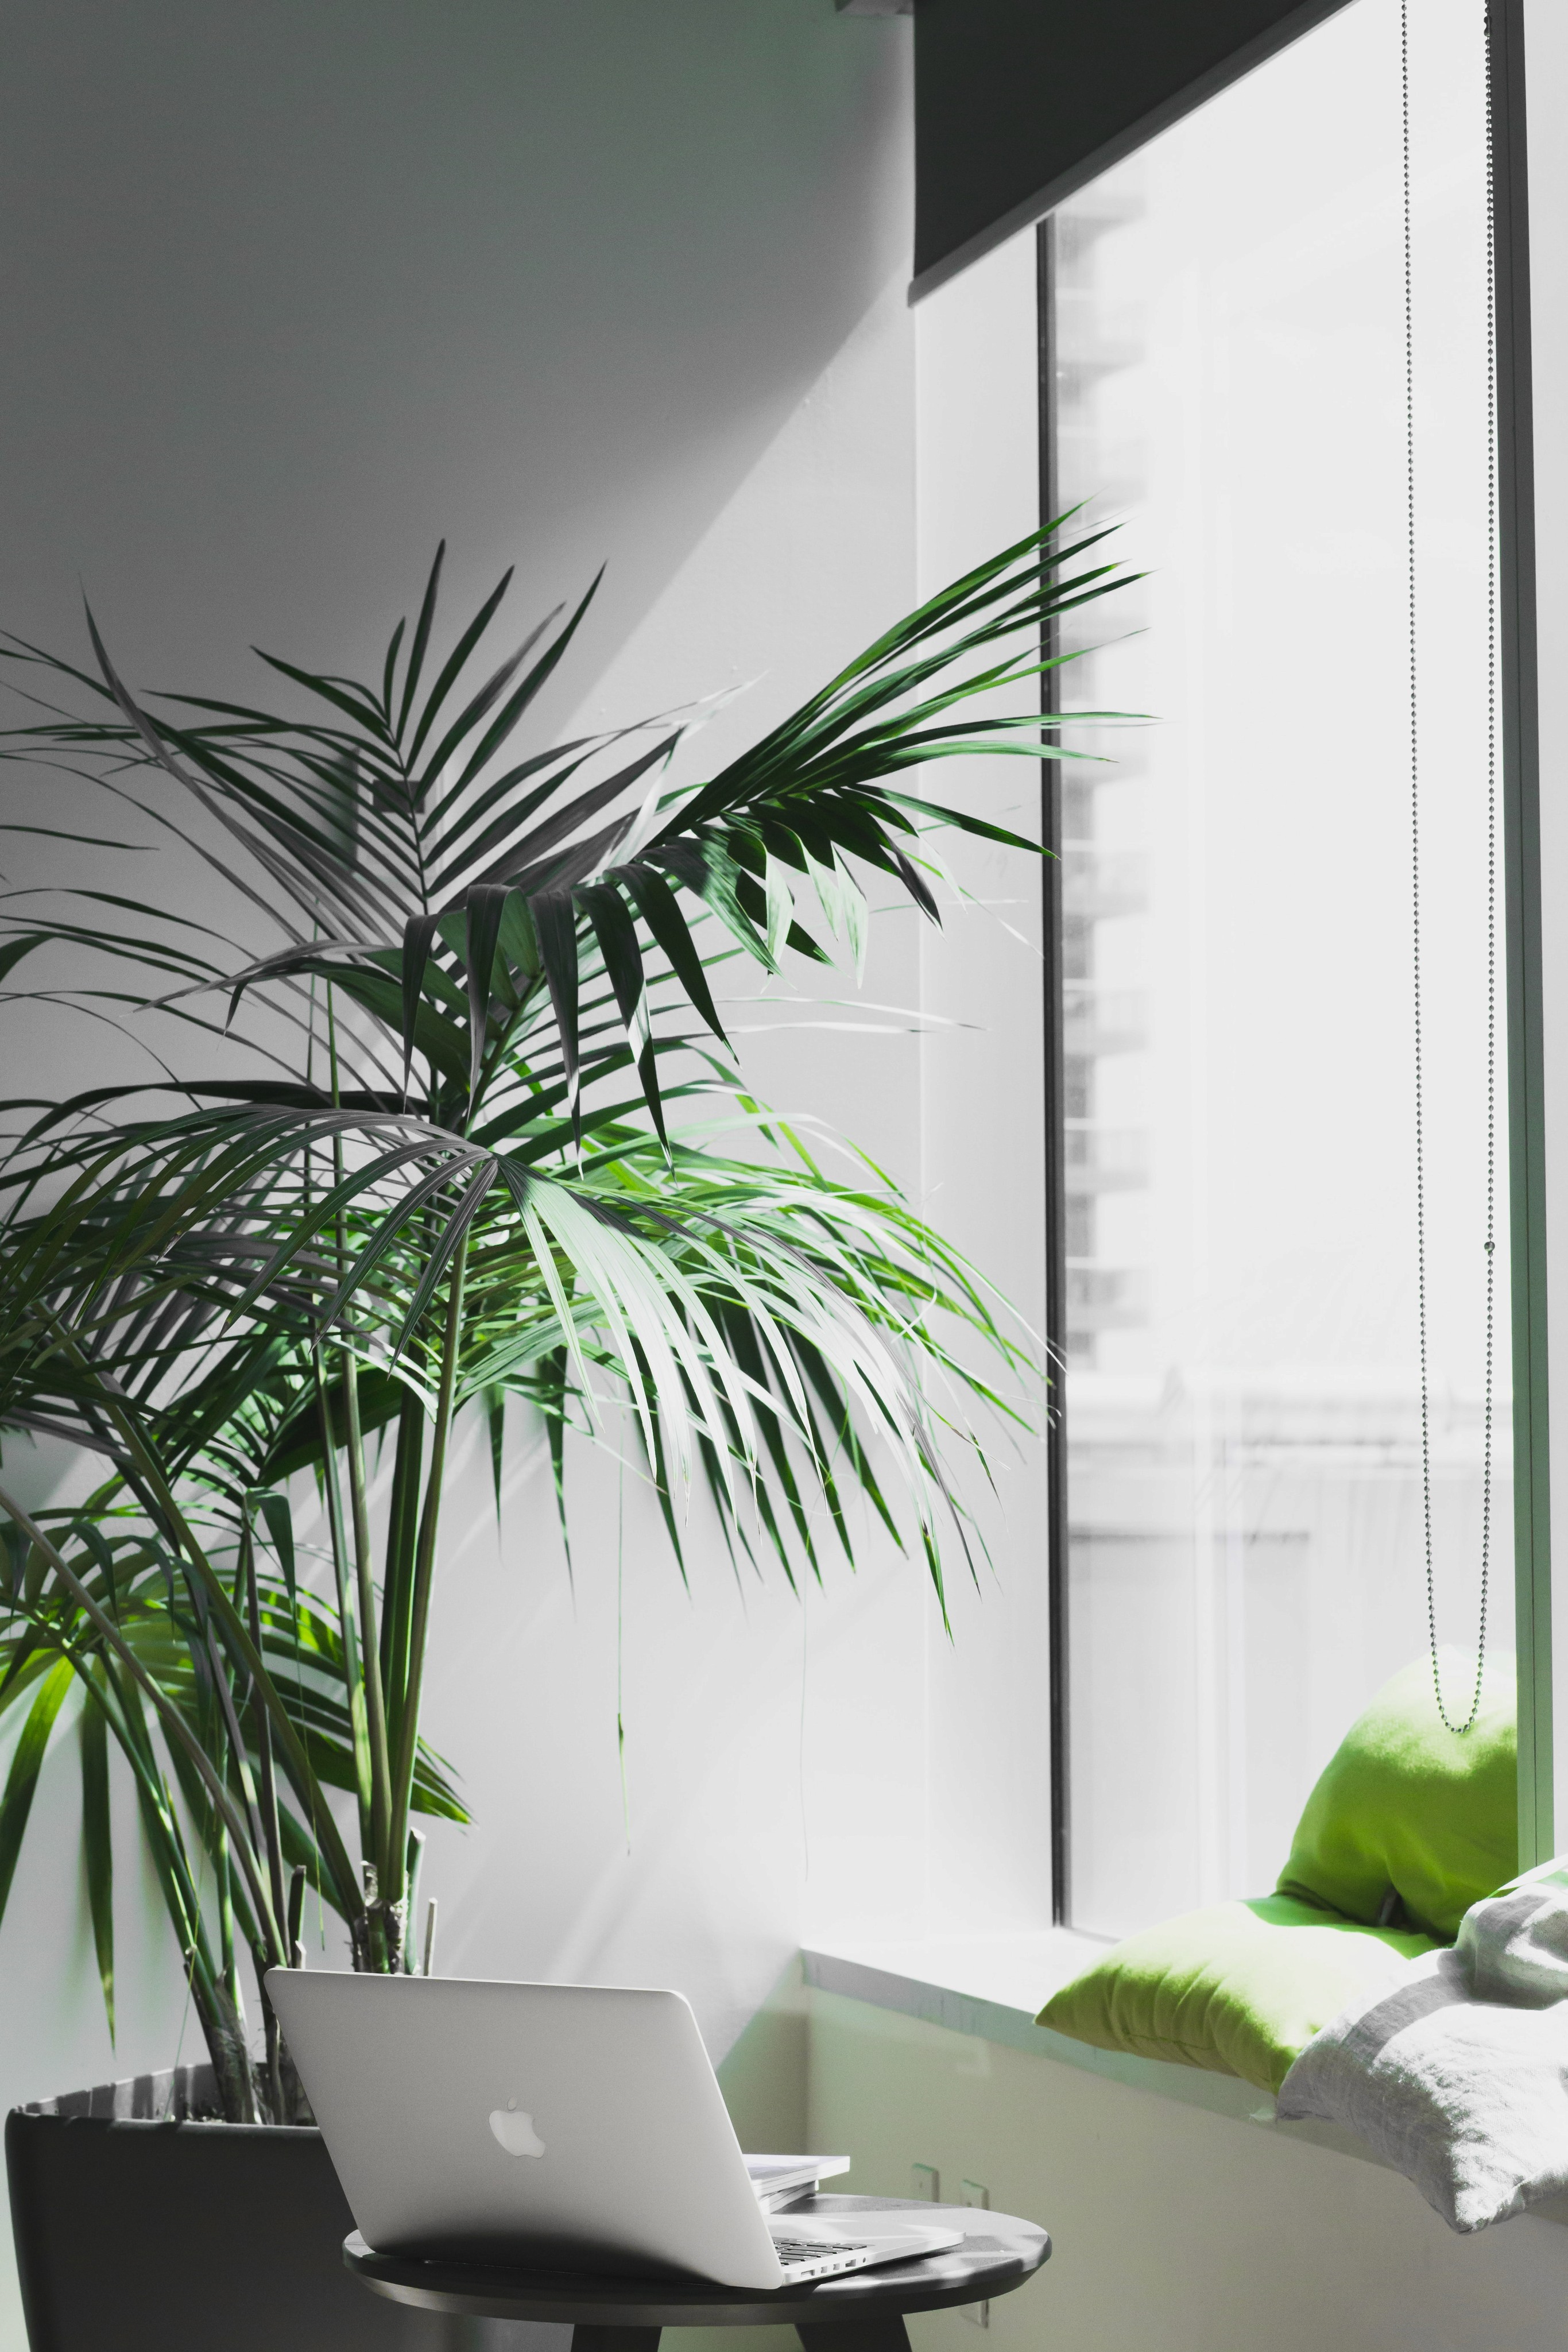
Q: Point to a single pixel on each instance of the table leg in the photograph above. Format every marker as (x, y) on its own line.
(615, 2339)
(881, 2331)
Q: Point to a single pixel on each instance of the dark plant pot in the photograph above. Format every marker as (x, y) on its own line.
(178, 2235)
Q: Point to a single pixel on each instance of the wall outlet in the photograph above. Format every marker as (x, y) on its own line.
(925, 2182)
(974, 2193)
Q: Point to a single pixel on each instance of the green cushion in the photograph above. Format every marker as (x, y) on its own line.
(1240, 1987)
(1407, 1805)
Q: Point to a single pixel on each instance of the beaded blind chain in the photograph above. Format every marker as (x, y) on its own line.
(1415, 878)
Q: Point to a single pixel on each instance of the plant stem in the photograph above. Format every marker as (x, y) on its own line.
(372, 1707)
(370, 1646)
(267, 1794)
(411, 1900)
(347, 1630)
(424, 1578)
(229, 1972)
(398, 1584)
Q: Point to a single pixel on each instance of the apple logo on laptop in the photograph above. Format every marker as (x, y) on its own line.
(516, 2131)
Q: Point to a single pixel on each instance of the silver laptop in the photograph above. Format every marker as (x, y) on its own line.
(566, 2127)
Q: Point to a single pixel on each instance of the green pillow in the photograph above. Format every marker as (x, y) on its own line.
(1240, 1989)
(1406, 1803)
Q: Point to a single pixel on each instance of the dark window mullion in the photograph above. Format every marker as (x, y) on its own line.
(1055, 1128)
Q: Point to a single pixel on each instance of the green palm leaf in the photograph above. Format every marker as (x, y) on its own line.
(466, 1145)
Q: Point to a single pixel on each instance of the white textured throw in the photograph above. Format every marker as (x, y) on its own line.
(1458, 2077)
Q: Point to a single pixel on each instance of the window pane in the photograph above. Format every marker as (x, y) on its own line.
(1242, 1398)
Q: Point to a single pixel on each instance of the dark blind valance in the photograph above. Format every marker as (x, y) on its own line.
(1019, 102)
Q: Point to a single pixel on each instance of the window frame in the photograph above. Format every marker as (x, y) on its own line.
(1524, 996)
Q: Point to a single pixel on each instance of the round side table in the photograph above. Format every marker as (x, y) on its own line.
(858, 2311)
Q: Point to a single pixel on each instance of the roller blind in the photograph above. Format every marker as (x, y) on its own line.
(1019, 102)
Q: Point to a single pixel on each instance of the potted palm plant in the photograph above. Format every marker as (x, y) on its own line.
(457, 1142)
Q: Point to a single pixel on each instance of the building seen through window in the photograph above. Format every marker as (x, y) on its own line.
(1241, 1392)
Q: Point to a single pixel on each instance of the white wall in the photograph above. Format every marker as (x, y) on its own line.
(287, 292)
(290, 291)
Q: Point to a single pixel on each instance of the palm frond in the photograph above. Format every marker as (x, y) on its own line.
(464, 1146)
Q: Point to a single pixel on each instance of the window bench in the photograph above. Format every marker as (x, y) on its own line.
(989, 1988)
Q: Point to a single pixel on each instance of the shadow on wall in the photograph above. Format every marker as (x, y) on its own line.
(292, 290)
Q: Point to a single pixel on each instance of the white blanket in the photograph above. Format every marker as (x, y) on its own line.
(1458, 2077)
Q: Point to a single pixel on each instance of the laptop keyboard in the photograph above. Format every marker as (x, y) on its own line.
(796, 2251)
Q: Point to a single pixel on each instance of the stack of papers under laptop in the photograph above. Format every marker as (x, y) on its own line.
(781, 2180)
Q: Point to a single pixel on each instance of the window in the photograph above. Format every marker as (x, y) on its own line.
(1237, 1190)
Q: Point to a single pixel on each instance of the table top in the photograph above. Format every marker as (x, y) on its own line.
(998, 2253)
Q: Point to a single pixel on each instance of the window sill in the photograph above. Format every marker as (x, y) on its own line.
(990, 1988)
